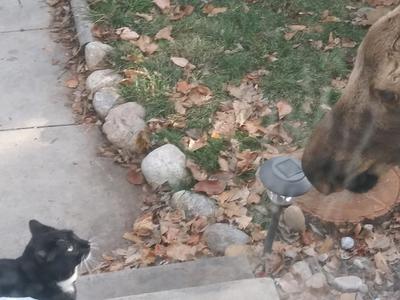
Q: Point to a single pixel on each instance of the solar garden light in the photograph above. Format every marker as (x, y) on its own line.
(283, 179)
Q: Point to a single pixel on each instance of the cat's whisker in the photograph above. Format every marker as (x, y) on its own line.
(87, 267)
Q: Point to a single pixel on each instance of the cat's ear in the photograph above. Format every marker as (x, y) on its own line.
(37, 228)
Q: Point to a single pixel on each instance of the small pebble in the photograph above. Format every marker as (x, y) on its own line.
(347, 243)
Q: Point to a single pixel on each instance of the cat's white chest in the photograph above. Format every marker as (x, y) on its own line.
(67, 286)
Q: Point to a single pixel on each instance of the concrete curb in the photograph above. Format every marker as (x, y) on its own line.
(83, 25)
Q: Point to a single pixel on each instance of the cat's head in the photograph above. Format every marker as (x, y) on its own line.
(57, 252)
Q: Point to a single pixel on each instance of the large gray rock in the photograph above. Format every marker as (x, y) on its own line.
(105, 99)
(193, 204)
(220, 236)
(165, 164)
(123, 125)
(302, 270)
(96, 54)
(102, 78)
(348, 284)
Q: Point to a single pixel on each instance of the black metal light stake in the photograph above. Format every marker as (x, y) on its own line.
(284, 180)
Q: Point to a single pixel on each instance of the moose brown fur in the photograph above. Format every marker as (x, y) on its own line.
(360, 137)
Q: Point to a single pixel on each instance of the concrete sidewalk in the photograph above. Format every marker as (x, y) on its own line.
(50, 173)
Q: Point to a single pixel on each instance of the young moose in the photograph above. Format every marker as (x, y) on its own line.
(360, 138)
(48, 268)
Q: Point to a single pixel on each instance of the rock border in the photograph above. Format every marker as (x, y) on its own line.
(83, 25)
(123, 123)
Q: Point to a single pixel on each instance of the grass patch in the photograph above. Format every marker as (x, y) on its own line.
(226, 47)
(207, 157)
(248, 142)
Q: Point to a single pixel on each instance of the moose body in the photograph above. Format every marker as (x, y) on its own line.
(359, 138)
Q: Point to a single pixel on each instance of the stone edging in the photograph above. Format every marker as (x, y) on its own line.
(83, 25)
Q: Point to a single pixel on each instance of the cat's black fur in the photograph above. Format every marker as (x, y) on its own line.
(51, 257)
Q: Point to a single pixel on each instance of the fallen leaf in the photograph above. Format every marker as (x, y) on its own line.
(243, 111)
(145, 44)
(162, 4)
(180, 61)
(224, 124)
(245, 92)
(72, 83)
(328, 18)
(144, 225)
(253, 198)
(382, 2)
(233, 209)
(223, 164)
(278, 134)
(183, 87)
(199, 95)
(181, 11)
(297, 27)
(164, 34)
(210, 187)
(135, 176)
(284, 108)
(181, 252)
(211, 10)
(196, 171)
(348, 43)
(289, 35)
(52, 2)
(126, 34)
(381, 263)
(147, 17)
(243, 221)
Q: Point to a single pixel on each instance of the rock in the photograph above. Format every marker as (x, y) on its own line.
(323, 257)
(348, 284)
(193, 204)
(124, 124)
(364, 264)
(294, 218)
(238, 250)
(347, 243)
(289, 284)
(302, 270)
(102, 78)
(316, 281)
(348, 296)
(95, 55)
(220, 236)
(165, 164)
(105, 99)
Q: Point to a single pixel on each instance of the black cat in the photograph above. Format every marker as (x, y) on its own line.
(48, 268)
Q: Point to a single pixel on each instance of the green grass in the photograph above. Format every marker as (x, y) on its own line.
(207, 157)
(301, 73)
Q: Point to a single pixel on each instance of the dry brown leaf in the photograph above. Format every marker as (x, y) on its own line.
(183, 87)
(197, 144)
(210, 10)
(223, 164)
(163, 4)
(135, 176)
(224, 124)
(144, 225)
(348, 43)
(180, 61)
(243, 221)
(243, 111)
(199, 95)
(146, 45)
(381, 263)
(289, 35)
(164, 34)
(278, 134)
(284, 108)
(127, 34)
(328, 18)
(297, 27)
(196, 171)
(246, 160)
(181, 252)
(181, 11)
(210, 187)
(147, 17)
(245, 92)
(253, 198)
(233, 209)
(339, 83)
(72, 83)
(382, 2)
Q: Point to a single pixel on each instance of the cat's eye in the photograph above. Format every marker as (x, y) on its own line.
(388, 96)
(70, 248)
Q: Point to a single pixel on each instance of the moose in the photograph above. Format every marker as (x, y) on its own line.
(359, 139)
